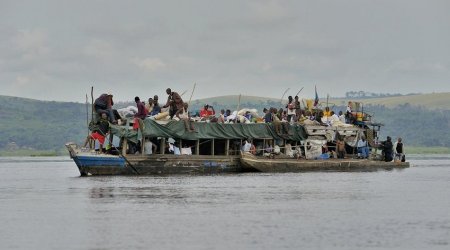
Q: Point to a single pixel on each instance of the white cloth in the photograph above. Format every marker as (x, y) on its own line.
(184, 114)
(334, 118)
(186, 151)
(232, 116)
(342, 118)
(362, 143)
(148, 148)
(246, 147)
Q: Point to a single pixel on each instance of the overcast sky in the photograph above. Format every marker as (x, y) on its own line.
(56, 50)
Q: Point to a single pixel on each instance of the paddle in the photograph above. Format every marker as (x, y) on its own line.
(120, 153)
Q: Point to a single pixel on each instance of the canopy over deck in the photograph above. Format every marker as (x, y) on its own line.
(176, 129)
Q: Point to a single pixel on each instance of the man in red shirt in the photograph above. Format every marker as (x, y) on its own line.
(142, 112)
(206, 113)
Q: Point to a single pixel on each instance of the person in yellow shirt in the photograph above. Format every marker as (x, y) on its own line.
(327, 112)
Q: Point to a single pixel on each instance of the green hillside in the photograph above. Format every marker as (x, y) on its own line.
(30, 124)
(433, 101)
(41, 126)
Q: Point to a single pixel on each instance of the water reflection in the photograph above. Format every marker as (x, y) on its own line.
(136, 194)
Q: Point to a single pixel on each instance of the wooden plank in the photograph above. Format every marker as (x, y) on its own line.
(163, 146)
(124, 146)
(197, 147)
(227, 147)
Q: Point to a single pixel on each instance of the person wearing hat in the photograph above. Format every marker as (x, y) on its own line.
(103, 104)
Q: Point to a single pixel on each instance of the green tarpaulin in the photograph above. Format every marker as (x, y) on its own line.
(176, 129)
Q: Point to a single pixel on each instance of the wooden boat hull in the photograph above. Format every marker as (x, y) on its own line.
(283, 165)
(90, 163)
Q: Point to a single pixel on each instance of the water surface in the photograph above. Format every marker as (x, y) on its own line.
(45, 205)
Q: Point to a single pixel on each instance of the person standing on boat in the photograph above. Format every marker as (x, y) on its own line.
(298, 110)
(174, 102)
(103, 104)
(290, 109)
(340, 148)
(348, 114)
(387, 149)
(363, 149)
(398, 150)
(142, 113)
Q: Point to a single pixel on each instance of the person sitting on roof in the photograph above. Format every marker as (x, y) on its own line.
(207, 113)
(103, 104)
(248, 116)
(184, 116)
(99, 132)
(281, 126)
(268, 116)
(149, 106)
(156, 108)
(341, 117)
(327, 112)
(221, 118)
(333, 119)
(232, 117)
(174, 102)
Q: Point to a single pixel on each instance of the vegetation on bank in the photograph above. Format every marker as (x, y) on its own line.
(426, 150)
(34, 153)
(32, 127)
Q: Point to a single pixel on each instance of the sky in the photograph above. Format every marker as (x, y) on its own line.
(56, 50)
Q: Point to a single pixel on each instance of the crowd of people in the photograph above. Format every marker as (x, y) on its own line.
(281, 118)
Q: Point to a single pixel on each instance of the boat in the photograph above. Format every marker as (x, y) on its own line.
(285, 164)
(215, 148)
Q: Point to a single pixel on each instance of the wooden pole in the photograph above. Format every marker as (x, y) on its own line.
(239, 104)
(281, 100)
(299, 91)
(227, 147)
(163, 146)
(87, 115)
(190, 98)
(212, 146)
(124, 146)
(92, 106)
(197, 147)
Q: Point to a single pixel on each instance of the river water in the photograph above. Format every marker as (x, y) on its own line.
(45, 205)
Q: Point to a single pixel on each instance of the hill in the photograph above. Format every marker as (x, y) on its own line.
(433, 101)
(27, 124)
